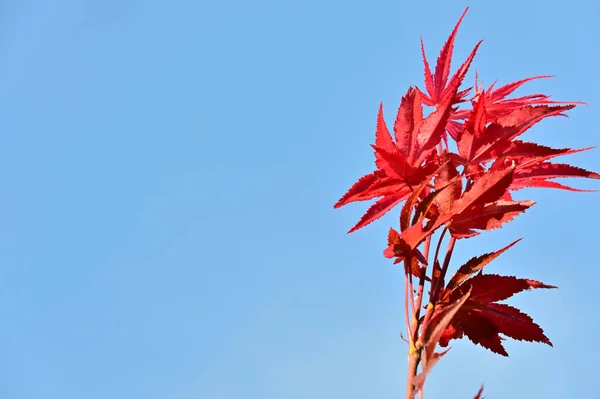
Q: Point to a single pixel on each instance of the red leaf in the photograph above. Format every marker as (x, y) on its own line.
(536, 175)
(410, 204)
(408, 121)
(472, 131)
(541, 183)
(482, 331)
(474, 265)
(357, 188)
(488, 217)
(435, 125)
(438, 324)
(500, 93)
(416, 259)
(383, 139)
(515, 324)
(393, 164)
(447, 176)
(459, 75)
(379, 208)
(435, 84)
(549, 170)
(482, 320)
(488, 188)
(416, 233)
(429, 84)
(393, 178)
(426, 207)
(400, 249)
(497, 104)
(442, 69)
(431, 131)
(526, 117)
(373, 185)
(504, 129)
(521, 151)
(383, 187)
(488, 288)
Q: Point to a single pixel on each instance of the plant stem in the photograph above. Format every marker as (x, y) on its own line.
(412, 298)
(407, 310)
(438, 285)
(433, 296)
(419, 299)
(427, 245)
(413, 361)
(435, 259)
(413, 353)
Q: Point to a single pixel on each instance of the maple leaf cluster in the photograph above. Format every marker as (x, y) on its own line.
(455, 170)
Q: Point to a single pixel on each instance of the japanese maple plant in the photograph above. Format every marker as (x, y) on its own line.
(455, 170)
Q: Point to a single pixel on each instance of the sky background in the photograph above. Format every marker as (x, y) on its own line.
(168, 175)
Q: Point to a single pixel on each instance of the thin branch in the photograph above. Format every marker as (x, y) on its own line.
(406, 309)
(435, 257)
(411, 296)
(438, 286)
(419, 299)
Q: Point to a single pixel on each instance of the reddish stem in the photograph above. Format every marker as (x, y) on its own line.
(435, 259)
(433, 297)
(426, 250)
(414, 352)
(418, 329)
(438, 285)
(413, 362)
(412, 298)
(419, 299)
(406, 310)
(413, 356)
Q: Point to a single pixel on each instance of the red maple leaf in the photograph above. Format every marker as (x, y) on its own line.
(487, 217)
(483, 320)
(393, 179)
(437, 86)
(496, 103)
(402, 163)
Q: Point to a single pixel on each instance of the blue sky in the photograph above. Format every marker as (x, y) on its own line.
(169, 171)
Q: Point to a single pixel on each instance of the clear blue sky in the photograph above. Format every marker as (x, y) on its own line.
(168, 173)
